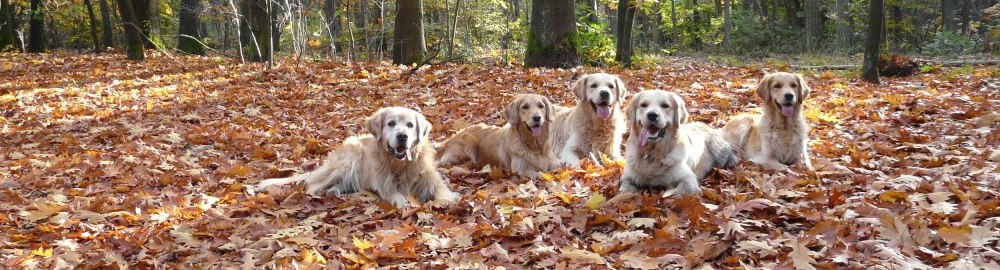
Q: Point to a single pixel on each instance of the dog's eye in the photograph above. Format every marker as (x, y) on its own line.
(524, 107)
(664, 105)
(612, 86)
(409, 124)
(541, 106)
(593, 85)
(392, 123)
(777, 85)
(643, 105)
(794, 85)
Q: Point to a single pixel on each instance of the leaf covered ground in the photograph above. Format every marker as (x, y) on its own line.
(106, 163)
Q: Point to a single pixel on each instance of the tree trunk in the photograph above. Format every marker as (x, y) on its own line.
(592, 9)
(814, 24)
(454, 29)
(673, 14)
(408, 45)
(843, 25)
(36, 32)
(255, 30)
(948, 15)
(552, 36)
(792, 10)
(93, 25)
(155, 38)
(875, 17)
(626, 21)
(727, 23)
(965, 15)
(6, 27)
(133, 32)
(277, 10)
(718, 8)
(330, 12)
(189, 38)
(106, 32)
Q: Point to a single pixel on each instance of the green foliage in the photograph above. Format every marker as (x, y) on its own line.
(754, 38)
(596, 44)
(947, 43)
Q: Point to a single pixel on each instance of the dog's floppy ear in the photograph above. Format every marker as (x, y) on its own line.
(764, 87)
(680, 110)
(620, 87)
(374, 123)
(549, 111)
(423, 128)
(511, 113)
(580, 87)
(804, 89)
(632, 106)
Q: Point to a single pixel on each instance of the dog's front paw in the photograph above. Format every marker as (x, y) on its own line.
(449, 197)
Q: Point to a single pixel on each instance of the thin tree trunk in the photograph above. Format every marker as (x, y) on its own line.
(948, 15)
(875, 18)
(408, 40)
(727, 24)
(626, 21)
(332, 16)
(36, 32)
(843, 25)
(814, 24)
(7, 38)
(189, 38)
(718, 8)
(106, 30)
(255, 29)
(673, 14)
(965, 15)
(93, 25)
(552, 35)
(155, 36)
(454, 28)
(133, 32)
(792, 10)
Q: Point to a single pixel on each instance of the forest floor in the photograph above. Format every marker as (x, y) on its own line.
(106, 162)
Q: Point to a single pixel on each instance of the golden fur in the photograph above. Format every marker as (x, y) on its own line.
(395, 161)
(595, 126)
(663, 150)
(778, 138)
(520, 146)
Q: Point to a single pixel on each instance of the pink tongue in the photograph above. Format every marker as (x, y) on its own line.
(536, 130)
(604, 112)
(787, 110)
(643, 137)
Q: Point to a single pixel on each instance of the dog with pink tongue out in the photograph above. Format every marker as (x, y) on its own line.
(593, 127)
(664, 151)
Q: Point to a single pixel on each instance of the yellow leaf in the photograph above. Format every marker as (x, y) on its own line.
(893, 196)
(43, 252)
(955, 234)
(817, 115)
(547, 176)
(566, 197)
(595, 201)
(362, 244)
(312, 256)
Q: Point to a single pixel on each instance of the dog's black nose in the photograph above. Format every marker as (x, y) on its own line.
(789, 96)
(401, 137)
(652, 116)
(605, 95)
(536, 118)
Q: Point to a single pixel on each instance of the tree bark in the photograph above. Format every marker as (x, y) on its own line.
(875, 18)
(948, 15)
(36, 31)
(93, 25)
(673, 14)
(843, 25)
(255, 30)
(792, 10)
(133, 32)
(718, 8)
(408, 40)
(552, 35)
(626, 21)
(153, 17)
(330, 12)
(189, 38)
(106, 32)
(7, 38)
(727, 24)
(814, 24)
(454, 29)
(965, 15)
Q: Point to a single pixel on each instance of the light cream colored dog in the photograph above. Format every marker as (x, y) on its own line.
(596, 125)
(395, 161)
(778, 138)
(664, 151)
(520, 146)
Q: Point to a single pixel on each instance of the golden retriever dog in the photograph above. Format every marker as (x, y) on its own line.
(778, 138)
(595, 126)
(395, 161)
(665, 151)
(520, 146)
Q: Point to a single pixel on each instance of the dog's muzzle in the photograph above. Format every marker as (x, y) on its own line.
(602, 109)
(400, 152)
(651, 132)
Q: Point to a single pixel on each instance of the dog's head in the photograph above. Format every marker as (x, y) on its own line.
(531, 111)
(785, 91)
(401, 130)
(653, 113)
(601, 92)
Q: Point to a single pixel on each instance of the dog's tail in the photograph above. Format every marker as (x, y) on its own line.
(281, 181)
(720, 150)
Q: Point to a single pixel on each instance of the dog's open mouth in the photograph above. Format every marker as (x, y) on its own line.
(650, 133)
(786, 109)
(536, 129)
(401, 152)
(602, 109)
